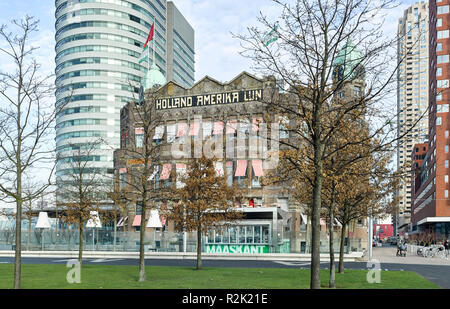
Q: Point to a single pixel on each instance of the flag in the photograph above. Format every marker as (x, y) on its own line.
(150, 35)
(144, 55)
(271, 37)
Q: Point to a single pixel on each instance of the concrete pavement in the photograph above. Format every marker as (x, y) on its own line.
(388, 255)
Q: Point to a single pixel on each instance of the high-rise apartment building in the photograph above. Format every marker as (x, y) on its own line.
(431, 205)
(412, 96)
(98, 47)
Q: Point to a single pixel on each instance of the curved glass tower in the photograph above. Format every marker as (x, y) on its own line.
(98, 47)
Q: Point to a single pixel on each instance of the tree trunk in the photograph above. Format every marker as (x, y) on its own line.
(141, 247)
(80, 245)
(332, 266)
(115, 232)
(199, 248)
(18, 250)
(315, 220)
(341, 249)
(29, 234)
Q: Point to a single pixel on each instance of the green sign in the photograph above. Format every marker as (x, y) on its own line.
(224, 248)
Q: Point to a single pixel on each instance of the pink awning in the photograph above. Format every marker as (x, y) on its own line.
(256, 123)
(167, 168)
(181, 166)
(230, 164)
(182, 129)
(218, 128)
(137, 220)
(139, 131)
(241, 168)
(257, 168)
(195, 127)
(231, 126)
(122, 170)
(163, 220)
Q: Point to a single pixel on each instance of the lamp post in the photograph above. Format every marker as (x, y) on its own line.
(42, 223)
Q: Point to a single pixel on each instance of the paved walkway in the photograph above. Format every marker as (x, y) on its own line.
(388, 255)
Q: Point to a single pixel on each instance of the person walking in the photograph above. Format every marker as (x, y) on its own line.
(447, 248)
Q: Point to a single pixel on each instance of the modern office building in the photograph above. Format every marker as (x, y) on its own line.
(431, 207)
(98, 47)
(412, 97)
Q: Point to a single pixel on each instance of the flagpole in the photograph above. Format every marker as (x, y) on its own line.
(154, 38)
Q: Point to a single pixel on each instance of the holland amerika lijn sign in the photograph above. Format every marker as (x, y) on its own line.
(210, 99)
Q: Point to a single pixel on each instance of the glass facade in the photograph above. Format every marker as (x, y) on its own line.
(98, 47)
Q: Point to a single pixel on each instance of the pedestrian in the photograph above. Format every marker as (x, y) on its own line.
(447, 248)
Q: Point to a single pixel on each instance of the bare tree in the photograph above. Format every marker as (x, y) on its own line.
(324, 48)
(140, 154)
(27, 121)
(80, 188)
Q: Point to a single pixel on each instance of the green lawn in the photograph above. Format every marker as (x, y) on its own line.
(118, 277)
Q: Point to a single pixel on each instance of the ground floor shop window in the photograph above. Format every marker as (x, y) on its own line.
(243, 234)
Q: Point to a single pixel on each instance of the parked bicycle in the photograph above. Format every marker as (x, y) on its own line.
(434, 251)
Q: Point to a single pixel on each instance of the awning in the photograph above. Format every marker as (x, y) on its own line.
(218, 128)
(304, 218)
(241, 168)
(137, 220)
(194, 128)
(155, 172)
(159, 132)
(139, 131)
(257, 168)
(218, 166)
(337, 222)
(122, 221)
(182, 129)
(256, 123)
(434, 220)
(122, 170)
(165, 174)
(231, 126)
(207, 128)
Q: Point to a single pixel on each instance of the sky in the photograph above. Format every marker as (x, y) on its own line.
(214, 21)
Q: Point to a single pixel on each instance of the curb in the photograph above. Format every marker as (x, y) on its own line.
(180, 256)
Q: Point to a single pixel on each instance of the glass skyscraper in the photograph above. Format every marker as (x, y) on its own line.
(98, 47)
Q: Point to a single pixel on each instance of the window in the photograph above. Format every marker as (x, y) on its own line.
(139, 136)
(443, 34)
(438, 121)
(446, 148)
(439, 22)
(439, 72)
(444, 9)
(446, 178)
(439, 97)
(446, 193)
(439, 47)
(442, 59)
(446, 163)
(446, 134)
(442, 83)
